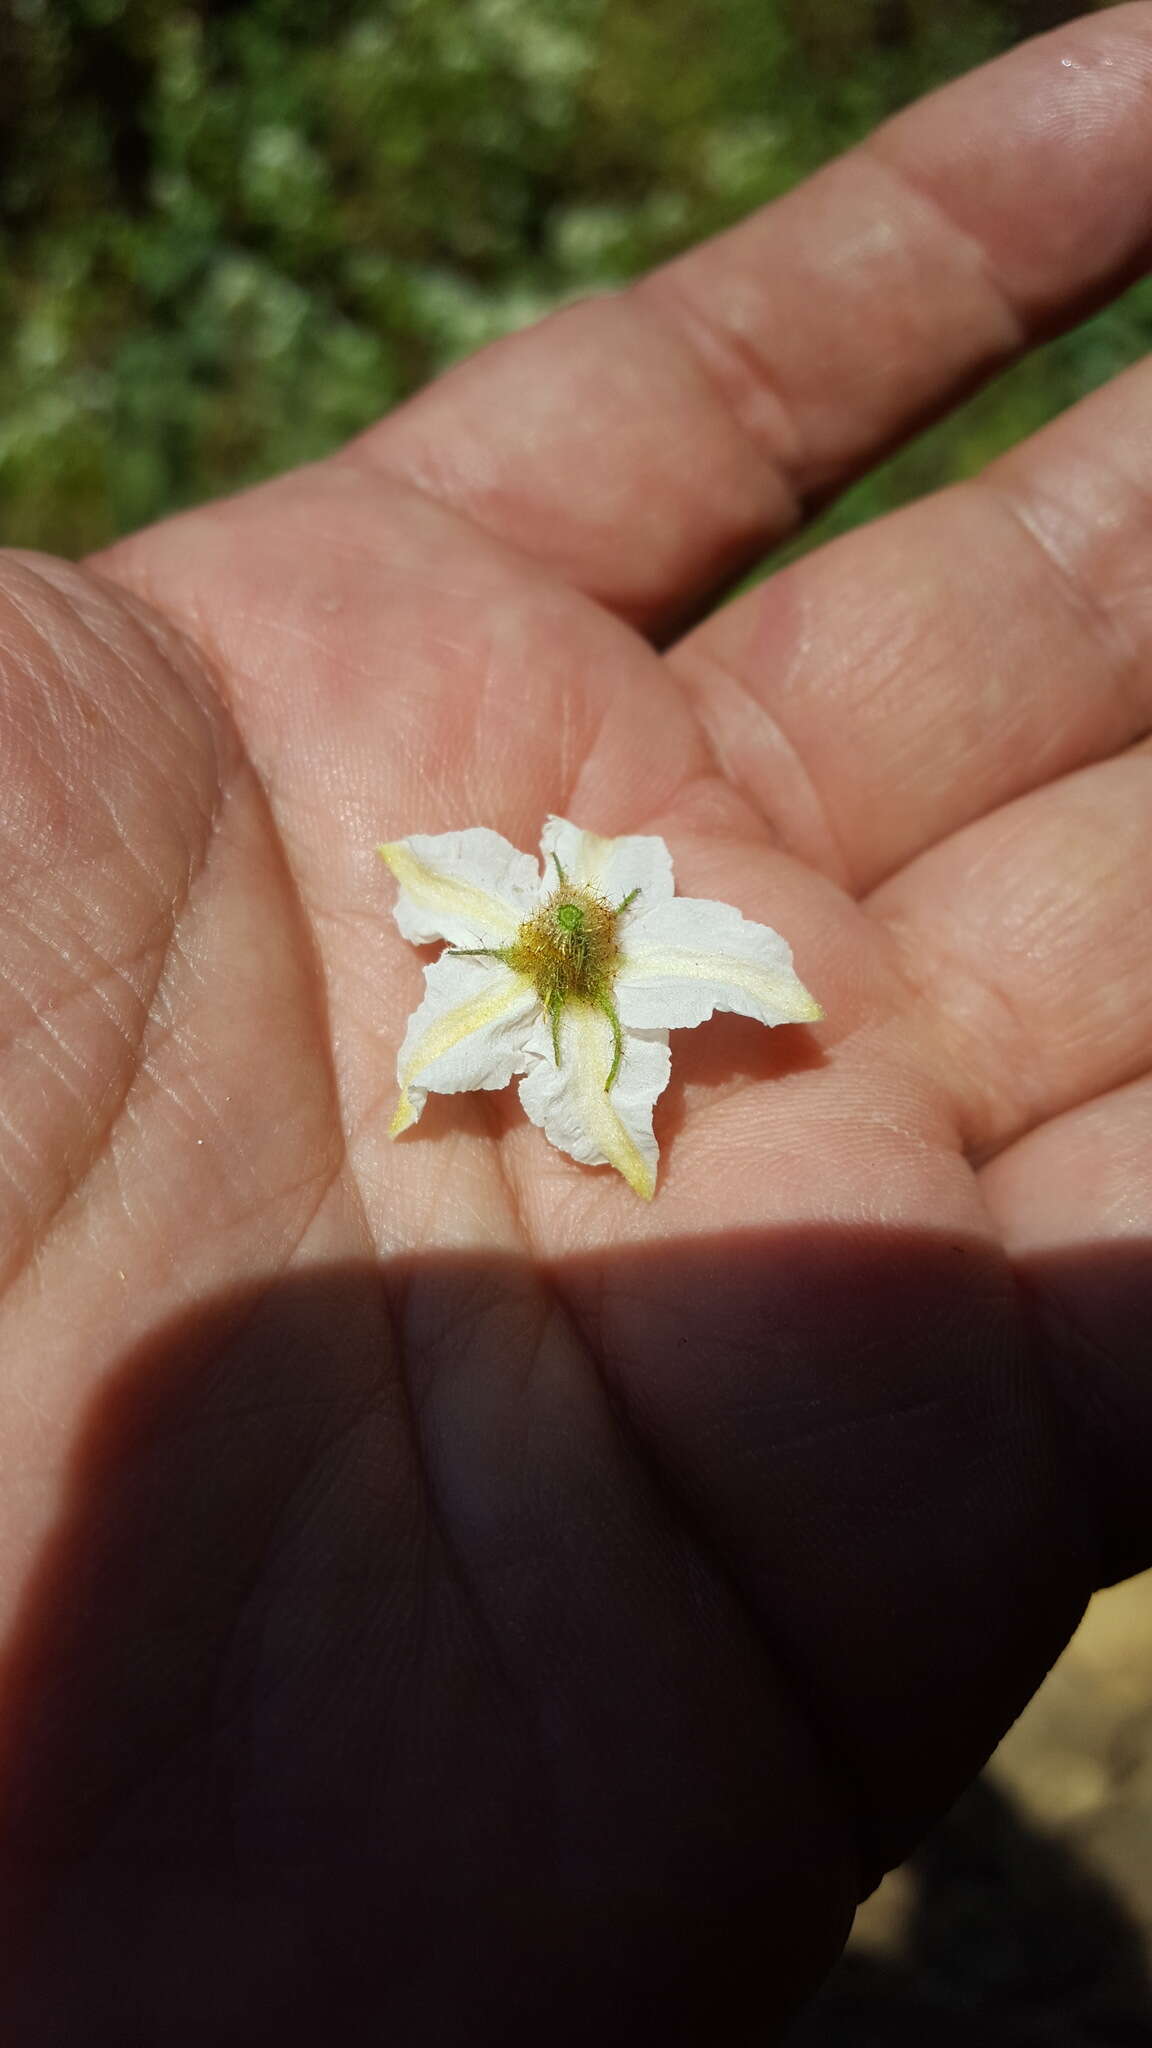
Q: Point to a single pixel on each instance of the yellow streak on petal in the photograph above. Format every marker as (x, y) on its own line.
(404, 1115)
(589, 1042)
(434, 891)
(780, 991)
(447, 1031)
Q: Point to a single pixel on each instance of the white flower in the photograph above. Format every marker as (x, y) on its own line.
(572, 979)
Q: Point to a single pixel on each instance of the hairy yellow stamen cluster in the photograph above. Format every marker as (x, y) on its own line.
(568, 951)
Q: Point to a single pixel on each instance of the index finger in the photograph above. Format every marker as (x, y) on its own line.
(649, 445)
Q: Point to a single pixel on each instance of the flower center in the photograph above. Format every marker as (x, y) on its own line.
(568, 949)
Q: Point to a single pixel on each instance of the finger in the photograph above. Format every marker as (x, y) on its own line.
(915, 674)
(1073, 1201)
(848, 1418)
(1028, 938)
(694, 417)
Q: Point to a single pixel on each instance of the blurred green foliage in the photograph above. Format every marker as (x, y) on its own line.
(235, 231)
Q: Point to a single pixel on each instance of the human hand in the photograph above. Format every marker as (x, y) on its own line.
(442, 1595)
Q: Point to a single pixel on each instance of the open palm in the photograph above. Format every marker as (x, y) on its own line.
(445, 1599)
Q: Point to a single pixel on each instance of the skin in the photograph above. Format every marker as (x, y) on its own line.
(443, 1598)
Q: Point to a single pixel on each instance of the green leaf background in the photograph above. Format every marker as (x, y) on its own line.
(234, 232)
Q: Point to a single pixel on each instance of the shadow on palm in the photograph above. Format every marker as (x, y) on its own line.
(307, 1686)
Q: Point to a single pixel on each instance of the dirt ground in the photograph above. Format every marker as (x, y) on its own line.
(1026, 1920)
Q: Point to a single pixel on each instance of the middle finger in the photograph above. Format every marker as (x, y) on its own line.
(913, 675)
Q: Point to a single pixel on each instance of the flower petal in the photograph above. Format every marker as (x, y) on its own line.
(471, 888)
(470, 1031)
(689, 957)
(570, 1103)
(613, 867)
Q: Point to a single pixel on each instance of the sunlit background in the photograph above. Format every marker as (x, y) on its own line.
(234, 232)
